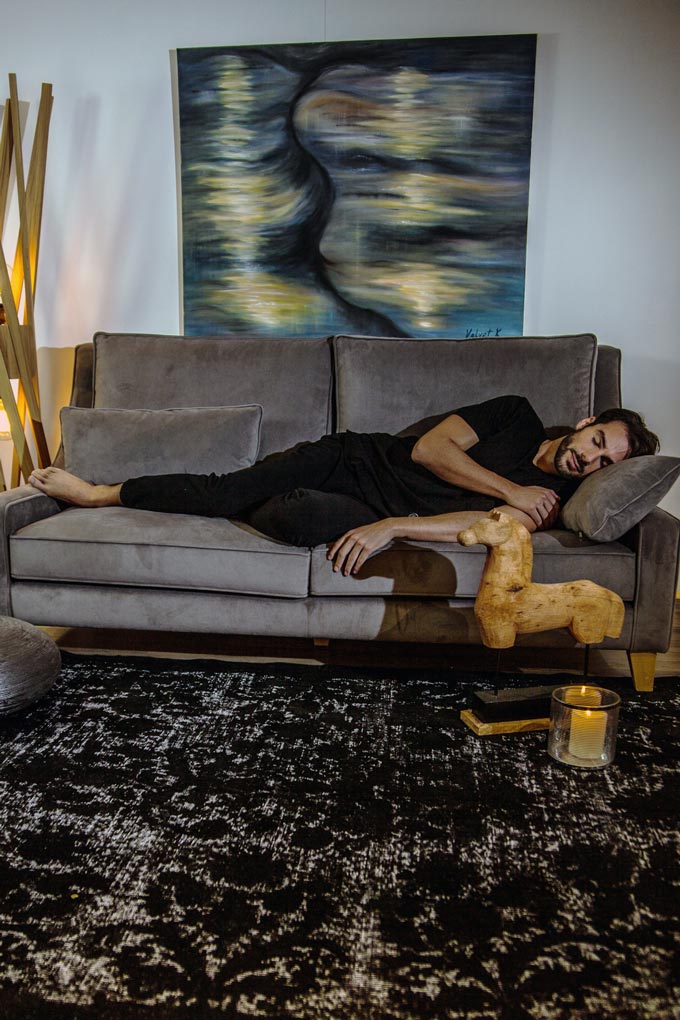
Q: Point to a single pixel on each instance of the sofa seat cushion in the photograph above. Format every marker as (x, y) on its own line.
(442, 569)
(119, 546)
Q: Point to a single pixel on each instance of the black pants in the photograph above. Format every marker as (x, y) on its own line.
(306, 497)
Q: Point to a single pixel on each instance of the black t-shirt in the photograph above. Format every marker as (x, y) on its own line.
(510, 433)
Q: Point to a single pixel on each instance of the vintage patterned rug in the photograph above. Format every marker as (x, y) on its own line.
(191, 840)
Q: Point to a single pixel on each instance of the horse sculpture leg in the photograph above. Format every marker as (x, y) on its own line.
(617, 612)
(598, 613)
(494, 633)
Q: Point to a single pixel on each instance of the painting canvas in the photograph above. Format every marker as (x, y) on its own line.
(375, 187)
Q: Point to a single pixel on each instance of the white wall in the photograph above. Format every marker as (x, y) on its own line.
(604, 218)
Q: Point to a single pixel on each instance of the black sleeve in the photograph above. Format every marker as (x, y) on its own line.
(498, 414)
(486, 418)
(419, 428)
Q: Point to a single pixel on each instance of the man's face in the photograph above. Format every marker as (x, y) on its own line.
(590, 448)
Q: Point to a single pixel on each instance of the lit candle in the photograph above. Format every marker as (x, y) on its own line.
(584, 697)
(586, 737)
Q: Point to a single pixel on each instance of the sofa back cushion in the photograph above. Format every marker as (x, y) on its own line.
(384, 385)
(290, 378)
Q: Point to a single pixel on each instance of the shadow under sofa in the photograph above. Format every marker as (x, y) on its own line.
(135, 570)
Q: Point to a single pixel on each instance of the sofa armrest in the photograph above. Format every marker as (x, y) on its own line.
(656, 543)
(18, 508)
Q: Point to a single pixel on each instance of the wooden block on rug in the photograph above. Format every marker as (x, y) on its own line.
(488, 729)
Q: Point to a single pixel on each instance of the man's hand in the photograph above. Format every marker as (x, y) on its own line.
(541, 505)
(551, 520)
(350, 552)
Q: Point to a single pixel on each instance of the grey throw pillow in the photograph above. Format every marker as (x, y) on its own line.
(610, 502)
(106, 445)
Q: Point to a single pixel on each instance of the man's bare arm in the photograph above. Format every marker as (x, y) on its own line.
(351, 551)
(442, 451)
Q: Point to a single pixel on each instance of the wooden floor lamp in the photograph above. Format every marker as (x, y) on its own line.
(18, 356)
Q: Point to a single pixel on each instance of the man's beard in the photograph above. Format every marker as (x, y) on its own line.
(563, 464)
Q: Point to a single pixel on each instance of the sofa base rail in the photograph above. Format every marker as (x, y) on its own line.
(430, 621)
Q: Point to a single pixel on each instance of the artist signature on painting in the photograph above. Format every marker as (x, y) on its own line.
(477, 334)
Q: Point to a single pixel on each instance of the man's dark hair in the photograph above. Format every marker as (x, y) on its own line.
(640, 439)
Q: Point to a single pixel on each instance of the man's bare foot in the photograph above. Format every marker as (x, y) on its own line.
(70, 489)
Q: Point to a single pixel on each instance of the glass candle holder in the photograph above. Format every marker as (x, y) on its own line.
(583, 724)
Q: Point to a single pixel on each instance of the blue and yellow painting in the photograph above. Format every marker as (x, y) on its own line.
(363, 187)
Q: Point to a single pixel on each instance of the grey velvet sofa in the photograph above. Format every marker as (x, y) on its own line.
(116, 567)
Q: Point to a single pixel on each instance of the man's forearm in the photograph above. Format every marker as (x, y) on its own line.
(352, 549)
(445, 459)
(445, 527)
(439, 528)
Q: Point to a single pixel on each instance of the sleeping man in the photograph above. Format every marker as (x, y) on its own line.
(359, 491)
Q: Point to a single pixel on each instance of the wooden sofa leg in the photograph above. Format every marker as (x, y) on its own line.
(321, 642)
(642, 666)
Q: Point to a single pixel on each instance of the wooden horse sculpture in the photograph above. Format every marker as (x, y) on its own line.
(508, 603)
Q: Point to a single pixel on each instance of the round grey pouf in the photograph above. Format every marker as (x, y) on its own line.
(29, 664)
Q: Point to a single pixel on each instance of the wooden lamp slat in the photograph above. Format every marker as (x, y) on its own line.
(18, 340)
(21, 194)
(5, 161)
(15, 423)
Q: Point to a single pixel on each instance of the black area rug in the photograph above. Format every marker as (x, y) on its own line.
(202, 839)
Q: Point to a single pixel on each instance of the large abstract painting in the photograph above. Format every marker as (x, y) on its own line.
(364, 187)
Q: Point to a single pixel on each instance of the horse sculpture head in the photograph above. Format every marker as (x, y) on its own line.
(493, 530)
